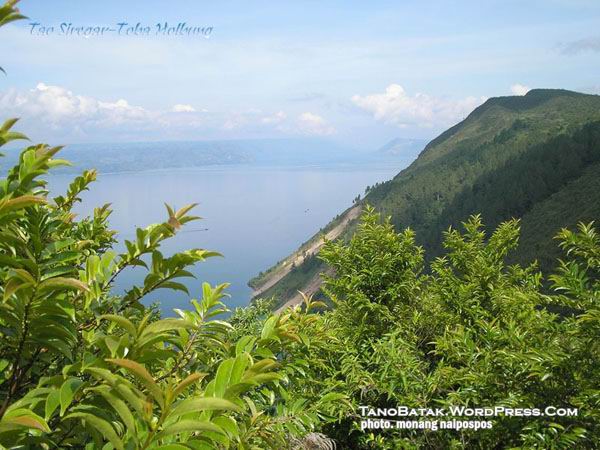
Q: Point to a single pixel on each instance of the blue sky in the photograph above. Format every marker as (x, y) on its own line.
(357, 72)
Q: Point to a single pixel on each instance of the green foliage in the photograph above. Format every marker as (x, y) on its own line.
(474, 332)
(249, 320)
(376, 276)
(85, 368)
(9, 13)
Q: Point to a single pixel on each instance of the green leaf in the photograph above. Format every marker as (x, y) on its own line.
(165, 325)
(244, 344)
(262, 378)
(8, 124)
(119, 406)
(103, 374)
(24, 275)
(103, 427)
(192, 378)
(197, 404)
(228, 424)
(121, 386)
(20, 202)
(123, 322)
(222, 377)
(173, 285)
(143, 375)
(261, 366)
(52, 402)
(269, 327)
(331, 397)
(240, 364)
(172, 447)
(12, 286)
(67, 392)
(183, 426)
(233, 391)
(59, 346)
(62, 283)
(23, 418)
(112, 344)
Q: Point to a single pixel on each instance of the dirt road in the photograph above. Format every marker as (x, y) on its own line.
(300, 255)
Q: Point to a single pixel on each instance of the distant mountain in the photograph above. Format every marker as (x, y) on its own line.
(402, 147)
(119, 157)
(534, 157)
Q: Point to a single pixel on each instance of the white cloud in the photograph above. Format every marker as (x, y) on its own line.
(275, 119)
(58, 106)
(519, 89)
(252, 120)
(183, 108)
(244, 119)
(313, 124)
(57, 113)
(396, 107)
(589, 44)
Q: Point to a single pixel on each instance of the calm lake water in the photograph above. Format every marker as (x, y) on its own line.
(254, 216)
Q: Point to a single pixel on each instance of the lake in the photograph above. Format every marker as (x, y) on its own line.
(253, 215)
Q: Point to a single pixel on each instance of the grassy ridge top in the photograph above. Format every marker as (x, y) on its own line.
(541, 109)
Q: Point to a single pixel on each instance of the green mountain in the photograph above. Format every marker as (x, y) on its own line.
(534, 157)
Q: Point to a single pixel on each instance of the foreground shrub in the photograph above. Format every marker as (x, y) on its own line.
(472, 332)
(82, 366)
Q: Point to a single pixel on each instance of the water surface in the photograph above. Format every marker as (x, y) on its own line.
(254, 216)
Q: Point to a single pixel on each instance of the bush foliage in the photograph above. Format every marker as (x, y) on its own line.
(472, 332)
(82, 366)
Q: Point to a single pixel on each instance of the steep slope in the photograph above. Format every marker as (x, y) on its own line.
(539, 224)
(533, 157)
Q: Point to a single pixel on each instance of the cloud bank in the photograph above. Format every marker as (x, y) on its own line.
(57, 111)
(56, 105)
(519, 89)
(313, 124)
(183, 108)
(395, 106)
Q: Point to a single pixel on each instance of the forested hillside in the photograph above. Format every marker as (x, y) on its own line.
(532, 157)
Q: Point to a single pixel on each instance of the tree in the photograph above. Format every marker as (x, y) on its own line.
(470, 331)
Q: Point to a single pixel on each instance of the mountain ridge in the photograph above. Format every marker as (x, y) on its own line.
(508, 156)
(141, 156)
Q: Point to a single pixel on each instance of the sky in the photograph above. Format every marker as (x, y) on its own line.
(356, 72)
